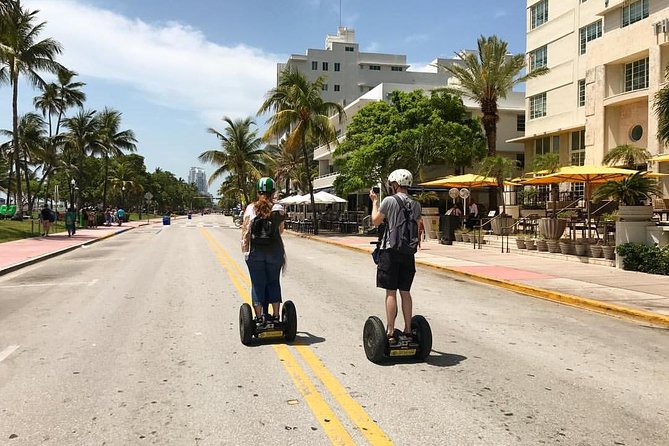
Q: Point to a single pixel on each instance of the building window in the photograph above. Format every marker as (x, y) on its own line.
(325, 66)
(539, 13)
(636, 75)
(314, 65)
(581, 92)
(542, 146)
(520, 123)
(634, 12)
(349, 49)
(539, 58)
(538, 106)
(556, 144)
(324, 87)
(636, 133)
(375, 67)
(396, 68)
(588, 33)
(577, 151)
(336, 87)
(337, 66)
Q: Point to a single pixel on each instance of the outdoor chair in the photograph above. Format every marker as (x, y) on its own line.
(3, 210)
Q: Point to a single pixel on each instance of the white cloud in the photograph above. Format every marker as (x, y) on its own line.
(172, 64)
(423, 67)
(416, 38)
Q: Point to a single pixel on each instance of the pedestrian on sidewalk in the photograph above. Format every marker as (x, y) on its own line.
(262, 226)
(92, 215)
(120, 215)
(108, 217)
(46, 217)
(472, 215)
(396, 269)
(71, 222)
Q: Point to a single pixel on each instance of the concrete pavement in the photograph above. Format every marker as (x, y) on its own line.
(630, 294)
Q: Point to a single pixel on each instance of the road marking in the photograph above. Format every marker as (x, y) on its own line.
(356, 413)
(325, 416)
(29, 285)
(8, 351)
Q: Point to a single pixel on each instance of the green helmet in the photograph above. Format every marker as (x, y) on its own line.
(265, 184)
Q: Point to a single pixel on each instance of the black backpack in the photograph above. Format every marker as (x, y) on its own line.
(264, 231)
(406, 233)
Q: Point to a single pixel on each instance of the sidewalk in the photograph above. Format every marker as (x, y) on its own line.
(630, 294)
(20, 253)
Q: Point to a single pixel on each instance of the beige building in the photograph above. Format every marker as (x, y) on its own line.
(607, 60)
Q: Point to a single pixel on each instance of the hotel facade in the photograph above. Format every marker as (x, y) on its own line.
(606, 60)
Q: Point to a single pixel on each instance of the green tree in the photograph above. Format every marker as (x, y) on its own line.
(78, 141)
(22, 53)
(661, 108)
(500, 168)
(300, 112)
(627, 155)
(241, 154)
(59, 96)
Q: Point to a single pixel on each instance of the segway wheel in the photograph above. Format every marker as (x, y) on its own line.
(246, 324)
(289, 317)
(374, 339)
(423, 333)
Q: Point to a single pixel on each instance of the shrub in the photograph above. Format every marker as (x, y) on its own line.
(644, 258)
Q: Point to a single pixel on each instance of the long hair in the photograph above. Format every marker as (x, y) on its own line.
(263, 206)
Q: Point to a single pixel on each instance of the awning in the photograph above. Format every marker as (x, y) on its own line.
(548, 133)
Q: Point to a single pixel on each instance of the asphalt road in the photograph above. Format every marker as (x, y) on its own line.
(134, 340)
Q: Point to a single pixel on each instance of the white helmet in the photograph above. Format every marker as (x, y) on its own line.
(401, 176)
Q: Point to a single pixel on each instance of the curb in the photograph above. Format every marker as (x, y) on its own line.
(532, 291)
(49, 255)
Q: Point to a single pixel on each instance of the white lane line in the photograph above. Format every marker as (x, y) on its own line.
(8, 351)
(32, 285)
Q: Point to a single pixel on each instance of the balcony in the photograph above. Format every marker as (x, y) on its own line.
(325, 151)
(325, 181)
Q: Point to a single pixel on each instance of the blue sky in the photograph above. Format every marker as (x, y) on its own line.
(176, 67)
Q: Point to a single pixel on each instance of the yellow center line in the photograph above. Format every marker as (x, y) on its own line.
(333, 428)
(356, 413)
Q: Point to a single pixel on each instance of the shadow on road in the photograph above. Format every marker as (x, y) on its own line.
(306, 338)
(436, 359)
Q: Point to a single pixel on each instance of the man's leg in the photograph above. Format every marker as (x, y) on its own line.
(391, 310)
(406, 310)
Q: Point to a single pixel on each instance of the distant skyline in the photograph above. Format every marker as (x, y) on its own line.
(175, 68)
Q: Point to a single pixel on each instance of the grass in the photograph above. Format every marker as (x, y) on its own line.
(16, 230)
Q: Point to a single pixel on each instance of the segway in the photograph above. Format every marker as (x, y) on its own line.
(250, 328)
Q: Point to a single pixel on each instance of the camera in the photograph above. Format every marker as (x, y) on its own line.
(376, 189)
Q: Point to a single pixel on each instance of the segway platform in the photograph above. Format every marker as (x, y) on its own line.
(250, 329)
(378, 348)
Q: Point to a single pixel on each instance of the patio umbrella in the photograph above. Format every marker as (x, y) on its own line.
(295, 199)
(326, 197)
(583, 174)
(661, 158)
(469, 180)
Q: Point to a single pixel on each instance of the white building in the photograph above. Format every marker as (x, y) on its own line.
(355, 78)
(198, 177)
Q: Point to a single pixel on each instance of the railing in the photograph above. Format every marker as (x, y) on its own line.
(478, 236)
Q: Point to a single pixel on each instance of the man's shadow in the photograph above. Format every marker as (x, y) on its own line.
(435, 359)
(302, 338)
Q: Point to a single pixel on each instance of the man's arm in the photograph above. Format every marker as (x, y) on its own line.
(377, 216)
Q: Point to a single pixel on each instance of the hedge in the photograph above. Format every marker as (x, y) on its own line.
(644, 258)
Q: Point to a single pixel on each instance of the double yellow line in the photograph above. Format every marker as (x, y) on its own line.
(332, 426)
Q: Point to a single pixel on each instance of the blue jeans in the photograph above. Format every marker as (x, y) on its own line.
(265, 269)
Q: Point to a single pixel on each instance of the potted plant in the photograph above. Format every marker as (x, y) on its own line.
(565, 246)
(458, 235)
(520, 241)
(596, 250)
(609, 251)
(530, 244)
(553, 245)
(630, 192)
(581, 247)
(542, 245)
(465, 236)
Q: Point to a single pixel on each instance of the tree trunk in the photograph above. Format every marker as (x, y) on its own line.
(104, 187)
(311, 185)
(490, 118)
(28, 191)
(15, 143)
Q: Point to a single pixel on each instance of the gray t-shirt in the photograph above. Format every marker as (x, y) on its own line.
(391, 209)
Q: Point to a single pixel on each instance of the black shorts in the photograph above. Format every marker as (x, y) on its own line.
(395, 271)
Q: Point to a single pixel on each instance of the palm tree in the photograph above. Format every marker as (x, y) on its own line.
(500, 168)
(111, 142)
(627, 155)
(22, 53)
(661, 106)
(56, 98)
(122, 180)
(81, 136)
(301, 113)
(240, 154)
(287, 164)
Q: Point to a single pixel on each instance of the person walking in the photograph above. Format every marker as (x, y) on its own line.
(262, 226)
(401, 216)
(120, 215)
(472, 215)
(70, 222)
(46, 216)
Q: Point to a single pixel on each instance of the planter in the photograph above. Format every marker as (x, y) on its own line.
(596, 251)
(581, 249)
(530, 245)
(520, 243)
(465, 237)
(565, 247)
(609, 252)
(458, 236)
(552, 228)
(542, 245)
(498, 225)
(635, 213)
(553, 246)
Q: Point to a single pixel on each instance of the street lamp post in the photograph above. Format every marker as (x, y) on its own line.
(123, 197)
(73, 184)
